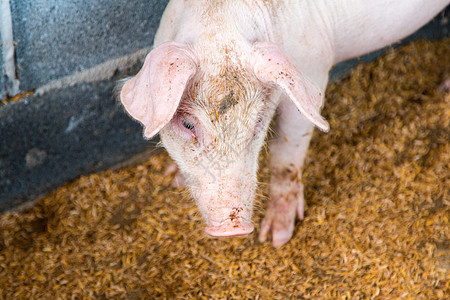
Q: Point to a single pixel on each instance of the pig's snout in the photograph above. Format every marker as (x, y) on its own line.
(230, 228)
(234, 223)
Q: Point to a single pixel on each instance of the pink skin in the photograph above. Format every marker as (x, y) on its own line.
(218, 64)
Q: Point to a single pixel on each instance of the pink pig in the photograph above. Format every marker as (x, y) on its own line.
(221, 70)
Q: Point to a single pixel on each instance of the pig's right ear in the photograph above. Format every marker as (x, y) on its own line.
(272, 66)
(153, 95)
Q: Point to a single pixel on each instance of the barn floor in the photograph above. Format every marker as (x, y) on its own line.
(376, 226)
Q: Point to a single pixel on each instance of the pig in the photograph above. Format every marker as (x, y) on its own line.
(220, 71)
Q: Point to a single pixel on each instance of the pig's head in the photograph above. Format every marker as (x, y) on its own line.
(213, 116)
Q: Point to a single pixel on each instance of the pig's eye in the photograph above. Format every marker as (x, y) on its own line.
(184, 125)
(188, 125)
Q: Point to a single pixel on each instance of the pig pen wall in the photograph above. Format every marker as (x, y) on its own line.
(64, 120)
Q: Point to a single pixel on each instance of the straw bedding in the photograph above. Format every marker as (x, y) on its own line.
(376, 226)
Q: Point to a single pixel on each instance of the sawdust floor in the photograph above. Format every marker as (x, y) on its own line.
(376, 226)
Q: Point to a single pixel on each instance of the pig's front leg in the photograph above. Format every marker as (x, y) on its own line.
(288, 149)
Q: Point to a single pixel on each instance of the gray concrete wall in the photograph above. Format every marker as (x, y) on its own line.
(76, 126)
(72, 53)
(2, 79)
(56, 38)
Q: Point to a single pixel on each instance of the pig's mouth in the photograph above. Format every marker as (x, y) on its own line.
(233, 225)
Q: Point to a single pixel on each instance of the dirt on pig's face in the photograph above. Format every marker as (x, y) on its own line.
(215, 137)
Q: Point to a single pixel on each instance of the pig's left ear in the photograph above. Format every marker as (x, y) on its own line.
(272, 66)
(153, 95)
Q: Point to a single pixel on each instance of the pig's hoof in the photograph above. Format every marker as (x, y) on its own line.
(444, 88)
(230, 228)
(178, 179)
(281, 229)
(280, 217)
